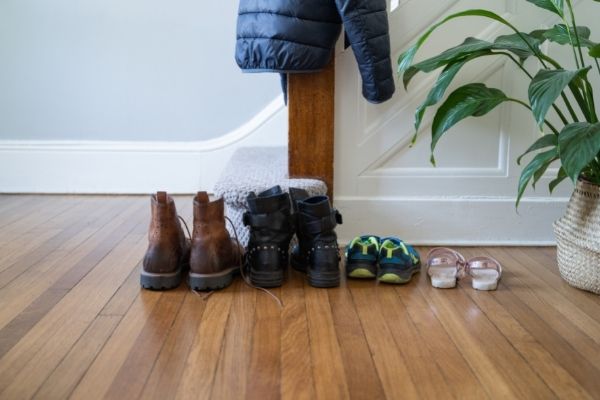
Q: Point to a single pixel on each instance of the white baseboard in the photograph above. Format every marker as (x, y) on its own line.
(452, 221)
(132, 167)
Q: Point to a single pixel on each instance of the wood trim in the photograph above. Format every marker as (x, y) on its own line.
(311, 134)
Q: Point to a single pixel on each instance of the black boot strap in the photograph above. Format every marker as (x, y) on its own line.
(324, 224)
(277, 221)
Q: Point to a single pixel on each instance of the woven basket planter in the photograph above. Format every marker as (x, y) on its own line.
(578, 238)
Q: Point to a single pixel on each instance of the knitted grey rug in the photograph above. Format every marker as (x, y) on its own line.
(255, 169)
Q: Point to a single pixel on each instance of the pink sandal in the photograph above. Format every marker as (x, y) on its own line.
(485, 272)
(444, 266)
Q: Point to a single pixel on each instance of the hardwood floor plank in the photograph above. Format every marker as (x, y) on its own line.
(133, 374)
(529, 265)
(18, 327)
(532, 297)
(361, 373)
(488, 372)
(559, 302)
(416, 353)
(21, 292)
(296, 363)
(445, 352)
(101, 373)
(203, 358)
(73, 233)
(74, 323)
(549, 369)
(67, 374)
(234, 359)
(24, 368)
(508, 362)
(327, 369)
(389, 362)
(546, 328)
(264, 371)
(170, 365)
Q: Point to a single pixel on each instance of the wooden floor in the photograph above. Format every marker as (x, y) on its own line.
(75, 324)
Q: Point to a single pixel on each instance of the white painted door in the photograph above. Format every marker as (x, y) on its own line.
(384, 187)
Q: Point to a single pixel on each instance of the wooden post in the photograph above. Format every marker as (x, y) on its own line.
(310, 135)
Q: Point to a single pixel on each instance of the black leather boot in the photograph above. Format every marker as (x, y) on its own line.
(271, 229)
(317, 253)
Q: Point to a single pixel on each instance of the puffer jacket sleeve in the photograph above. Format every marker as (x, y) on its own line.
(366, 25)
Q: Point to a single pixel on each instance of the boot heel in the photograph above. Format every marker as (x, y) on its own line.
(324, 280)
(157, 281)
(202, 282)
(267, 279)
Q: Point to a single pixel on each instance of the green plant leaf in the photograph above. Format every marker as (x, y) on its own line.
(556, 6)
(579, 144)
(472, 100)
(595, 51)
(561, 176)
(537, 175)
(437, 91)
(541, 143)
(559, 34)
(546, 87)
(453, 54)
(540, 161)
(405, 60)
(519, 44)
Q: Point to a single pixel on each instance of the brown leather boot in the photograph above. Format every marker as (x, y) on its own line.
(168, 254)
(215, 256)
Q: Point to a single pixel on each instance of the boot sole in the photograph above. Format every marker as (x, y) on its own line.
(220, 280)
(161, 281)
(320, 280)
(268, 279)
(324, 280)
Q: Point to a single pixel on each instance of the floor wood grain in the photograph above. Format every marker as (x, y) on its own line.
(75, 324)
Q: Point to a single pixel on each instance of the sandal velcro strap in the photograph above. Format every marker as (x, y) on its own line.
(324, 224)
(274, 221)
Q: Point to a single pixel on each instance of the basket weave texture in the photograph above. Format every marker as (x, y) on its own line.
(578, 238)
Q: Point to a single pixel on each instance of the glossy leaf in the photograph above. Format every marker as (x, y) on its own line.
(541, 143)
(453, 54)
(520, 44)
(405, 60)
(559, 34)
(595, 51)
(561, 176)
(439, 88)
(537, 175)
(579, 144)
(546, 87)
(540, 161)
(472, 100)
(556, 6)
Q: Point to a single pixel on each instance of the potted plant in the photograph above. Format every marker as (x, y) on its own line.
(574, 142)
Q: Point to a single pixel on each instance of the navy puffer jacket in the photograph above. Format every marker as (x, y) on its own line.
(299, 36)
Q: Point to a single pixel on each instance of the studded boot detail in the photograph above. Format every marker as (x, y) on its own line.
(271, 229)
(317, 253)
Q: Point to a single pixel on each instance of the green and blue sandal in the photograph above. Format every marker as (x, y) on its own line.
(361, 257)
(398, 261)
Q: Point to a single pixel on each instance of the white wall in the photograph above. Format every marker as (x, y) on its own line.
(111, 96)
(390, 188)
(134, 70)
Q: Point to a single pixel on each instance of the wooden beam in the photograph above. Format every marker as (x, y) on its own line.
(310, 136)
